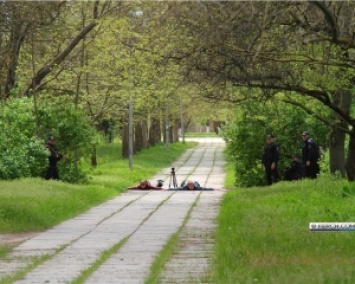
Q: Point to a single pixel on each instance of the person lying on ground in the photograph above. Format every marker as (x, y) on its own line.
(145, 185)
(190, 185)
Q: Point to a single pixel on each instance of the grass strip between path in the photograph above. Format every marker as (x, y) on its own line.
(168, 249)
(106, 254)
(33, 263)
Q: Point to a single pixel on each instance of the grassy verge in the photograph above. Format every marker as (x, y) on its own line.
(35, 204)
(263, 234)
(201, 134)
(4, 250)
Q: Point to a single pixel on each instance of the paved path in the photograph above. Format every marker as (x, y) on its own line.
(134, 227)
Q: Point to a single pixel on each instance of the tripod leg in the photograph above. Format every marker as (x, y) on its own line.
(171, 180)
(175, 182)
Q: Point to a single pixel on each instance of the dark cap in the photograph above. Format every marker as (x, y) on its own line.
(270, 136)
(305, 133)
(294, 156)
(51, 138)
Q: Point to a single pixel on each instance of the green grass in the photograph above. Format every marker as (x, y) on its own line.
(263, 234)
(201, 134)
(4, 250)
(35, 204)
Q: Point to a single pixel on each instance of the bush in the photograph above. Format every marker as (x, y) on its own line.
(22, 151)
(245, 137)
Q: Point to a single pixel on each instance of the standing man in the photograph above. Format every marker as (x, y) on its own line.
(54, 157)
(270, 160)
(310, 156)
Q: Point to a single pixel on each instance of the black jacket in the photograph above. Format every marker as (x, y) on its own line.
(295, 171)
(310, 151)
(271, 154)
(54, 155)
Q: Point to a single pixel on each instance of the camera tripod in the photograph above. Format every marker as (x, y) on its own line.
(173, 178)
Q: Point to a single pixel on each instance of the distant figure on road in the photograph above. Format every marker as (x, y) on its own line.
(295, 171)
(145, 185)
(54, 157)
(270, 160)
(190, 185)
(310, 156)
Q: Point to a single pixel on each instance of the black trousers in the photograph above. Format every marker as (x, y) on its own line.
(52, 173)
(271, 175)
(312, 170)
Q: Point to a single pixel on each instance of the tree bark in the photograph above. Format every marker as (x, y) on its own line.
(18, 33)
(145, 134)
(337, 136)
(350, 163)
(125, 136)
(48, 67)
(138, 137)
(93, 157)
(152, 130)
(337, 151)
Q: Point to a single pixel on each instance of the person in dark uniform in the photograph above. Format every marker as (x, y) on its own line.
(295, 171)
(54, 157)
(270, 160)
(310, 156)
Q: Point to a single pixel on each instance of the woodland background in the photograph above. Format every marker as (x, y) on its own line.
(70, 68)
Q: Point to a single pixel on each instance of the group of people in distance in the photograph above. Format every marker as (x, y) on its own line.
(186, 185)
(308, 167)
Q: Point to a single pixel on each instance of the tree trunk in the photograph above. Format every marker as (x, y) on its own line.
(125, 138)
(145, 134)
(152, 130)
(350, 163)
(158, 132)
(19, 31)
(337, 151)
(138, 137)
(337, 136)
(175, 131)
(94, 157)
(58, 59)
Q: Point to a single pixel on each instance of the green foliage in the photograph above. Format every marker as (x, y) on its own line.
(263, 234)
(349, 190)
(21, 153)
(245, 137)
(74, 135)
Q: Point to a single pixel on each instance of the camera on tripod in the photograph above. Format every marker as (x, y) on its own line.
(173, 178)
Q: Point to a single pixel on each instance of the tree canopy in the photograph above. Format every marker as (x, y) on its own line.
(197, 53)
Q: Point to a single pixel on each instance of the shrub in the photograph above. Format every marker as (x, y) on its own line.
(22, 151)
(245, 137)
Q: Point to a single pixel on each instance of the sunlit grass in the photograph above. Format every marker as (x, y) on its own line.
(263, 234)
(200, 134)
